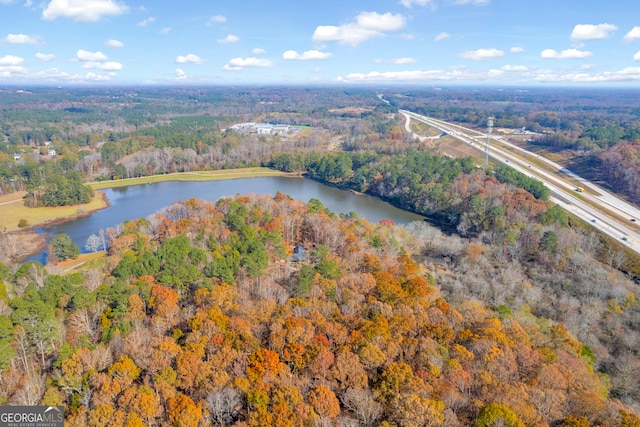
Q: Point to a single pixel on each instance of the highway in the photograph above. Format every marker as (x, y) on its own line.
(603, 210)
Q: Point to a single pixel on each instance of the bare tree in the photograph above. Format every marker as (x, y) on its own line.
(22, 348)
(93, 279)
(93, 243)
(103, 239)
(363, 405)
(224, 405)
(30, 394)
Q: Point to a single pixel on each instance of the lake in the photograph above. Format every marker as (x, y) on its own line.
(138, 201)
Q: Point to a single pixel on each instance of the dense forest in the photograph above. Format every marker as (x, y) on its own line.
(510, 313)
(198, 315)
(451, 191)
(620, 168)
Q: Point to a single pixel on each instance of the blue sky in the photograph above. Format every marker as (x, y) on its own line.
(427, 42)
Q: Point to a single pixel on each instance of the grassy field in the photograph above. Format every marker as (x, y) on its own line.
(423, 129)
(70, 265)
(189, 176)
(12, 208)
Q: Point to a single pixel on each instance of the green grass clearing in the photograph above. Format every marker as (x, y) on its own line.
(12, 210)
(217, 175)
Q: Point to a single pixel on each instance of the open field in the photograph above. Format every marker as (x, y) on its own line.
(12, 210)
(189, 176)
(453, 147)
(423, 129)
(70, 265)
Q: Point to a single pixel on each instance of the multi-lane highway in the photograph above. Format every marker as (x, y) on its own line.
(603, 210)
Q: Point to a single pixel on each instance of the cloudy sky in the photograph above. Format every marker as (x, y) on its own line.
(433, 42)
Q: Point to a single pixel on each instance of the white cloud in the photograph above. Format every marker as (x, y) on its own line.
(11, 60)
(180, 74)
(629, 74)
(306, 56)
(514, 68)
(378, 22)
(565, 54)
(474, 2)
(217, 19)
(146, 22)
(236, 64)
(633, 35)
(11, 71)
(347, 34)
(21, 39)
(442, 36)
(189, 59)
(258, 51)
(229, 39)
(516, 49)
(396, 76)
(55, 75)
(98, 56)
(481, 54)
(166, 30)
(402, 61)
(585, 32)
(105, 66)
(456, 74)
(636, 57)
(397, 61)
(45, 56)
(83, 10)
(366, 26)
(495, 74)
(114, 43)
(97, 77)
(409, 3)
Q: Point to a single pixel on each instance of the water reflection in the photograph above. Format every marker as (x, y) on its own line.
(137, 201)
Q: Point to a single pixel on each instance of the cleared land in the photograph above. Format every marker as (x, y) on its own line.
(453, 147)
(190, 176)
(71, 265)
(12, 210)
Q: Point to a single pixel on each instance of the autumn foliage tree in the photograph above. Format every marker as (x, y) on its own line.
(358, 332)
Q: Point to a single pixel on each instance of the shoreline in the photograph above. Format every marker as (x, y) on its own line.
(31, 241)
(217, 175)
